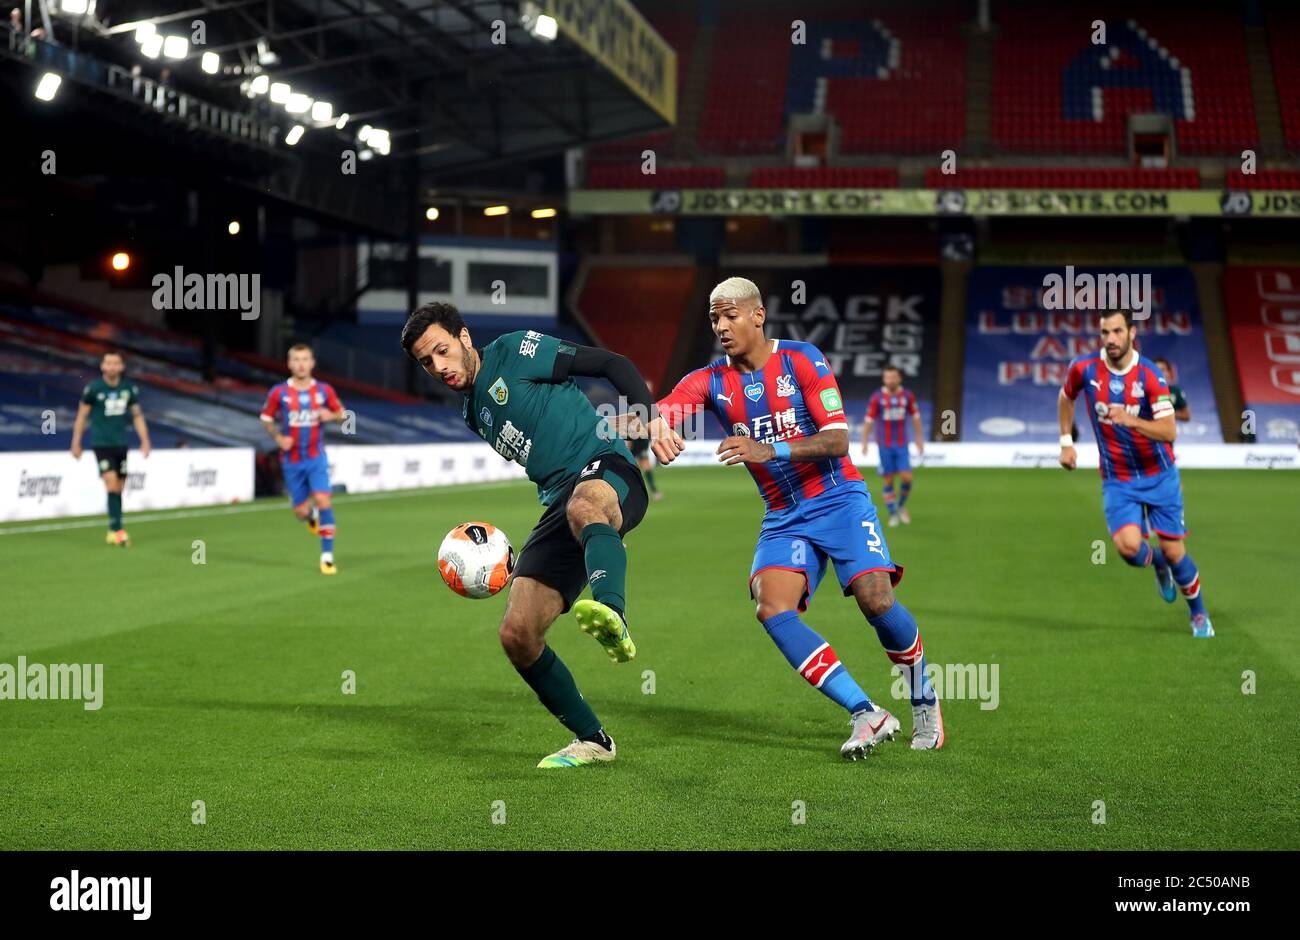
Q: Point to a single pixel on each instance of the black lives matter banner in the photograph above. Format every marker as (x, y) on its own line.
(862, 319)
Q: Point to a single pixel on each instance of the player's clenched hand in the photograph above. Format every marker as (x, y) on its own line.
(1069, 459)
(736, 450)
(76, 451)
(664, 441)
(284, 440)
(1118, 414)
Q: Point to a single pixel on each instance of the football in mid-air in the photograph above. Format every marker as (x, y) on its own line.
(476, 559)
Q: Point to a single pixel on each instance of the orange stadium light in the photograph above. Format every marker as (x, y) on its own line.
(120, 261)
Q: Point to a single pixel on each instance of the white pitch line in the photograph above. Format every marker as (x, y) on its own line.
(266, 506)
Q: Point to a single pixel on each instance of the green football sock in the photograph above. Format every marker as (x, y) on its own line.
(606, 564)
(115, 511)
(650, 480)
(554, 685)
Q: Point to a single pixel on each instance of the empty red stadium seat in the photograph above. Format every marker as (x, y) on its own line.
(1263, 179)
(629, 176)
(825, 177)
(1063, 178)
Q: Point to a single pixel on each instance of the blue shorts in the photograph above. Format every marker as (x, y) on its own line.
(306, 477)
(1157, 500)
(839, 525)
(894, 460)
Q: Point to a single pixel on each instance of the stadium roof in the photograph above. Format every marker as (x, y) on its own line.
(459, 84)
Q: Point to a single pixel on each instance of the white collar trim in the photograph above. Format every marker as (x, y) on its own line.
(1133, 360)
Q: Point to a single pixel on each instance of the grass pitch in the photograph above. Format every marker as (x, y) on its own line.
(222, 683)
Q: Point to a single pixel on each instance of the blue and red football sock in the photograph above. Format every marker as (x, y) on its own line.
(813, 658)
(903, 492)
(327, 531)
(889, 498)
(1145, 555)
(901, 638)
(1189, 582)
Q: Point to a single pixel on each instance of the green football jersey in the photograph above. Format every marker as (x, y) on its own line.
(549, 428)
(110, 411)
(1177, 398)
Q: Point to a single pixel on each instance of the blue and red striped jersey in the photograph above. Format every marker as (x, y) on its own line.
(1141, 389)
(890, 411)
(298, 412)
(793, 396)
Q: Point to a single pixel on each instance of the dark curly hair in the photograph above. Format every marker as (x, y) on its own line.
(435, 314)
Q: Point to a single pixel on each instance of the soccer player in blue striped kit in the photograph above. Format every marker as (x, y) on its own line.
(783, 407)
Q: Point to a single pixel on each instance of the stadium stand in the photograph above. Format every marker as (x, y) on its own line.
(679, 30)
(49, 354)
(829, 177)
(638, 311)
(1263, 179)
(1284, 46)
(1035, 178)
(1056, 92)
(914, 102)
(894, 84)
(629, 176)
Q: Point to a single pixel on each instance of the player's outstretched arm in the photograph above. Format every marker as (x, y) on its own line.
(79, 428)
(867, 427)
(141, 428)
(619, 371)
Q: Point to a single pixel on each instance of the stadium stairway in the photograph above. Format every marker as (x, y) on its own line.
(1218, 346)
(979, 91)
(694, 93)
(952, 348)
(1268, 113)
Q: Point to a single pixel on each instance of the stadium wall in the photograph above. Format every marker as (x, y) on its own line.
(46, 484)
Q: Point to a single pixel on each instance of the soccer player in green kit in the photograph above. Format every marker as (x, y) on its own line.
(520, 398)
(110, 403)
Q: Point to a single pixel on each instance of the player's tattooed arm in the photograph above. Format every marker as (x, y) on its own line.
(823, 444)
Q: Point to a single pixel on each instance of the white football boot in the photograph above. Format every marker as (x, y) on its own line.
(869, 729)
(927, 727)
